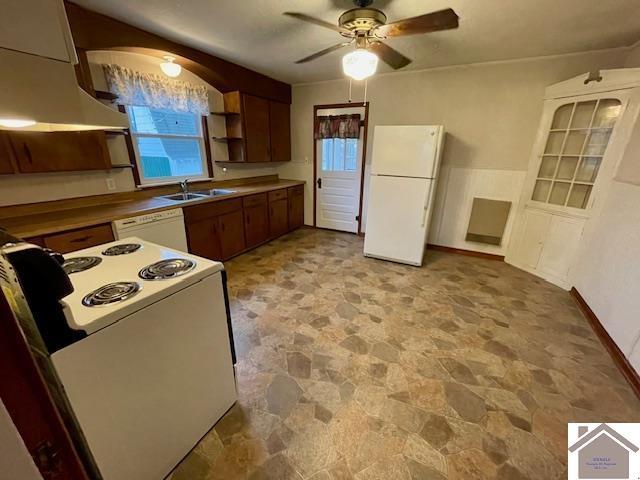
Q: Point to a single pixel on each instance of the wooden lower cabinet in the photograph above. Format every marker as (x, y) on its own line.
(256, 219)
(296, 206)
(220, 230)
(203, 238)
(231, 234)
(278, 218)
(73, 240)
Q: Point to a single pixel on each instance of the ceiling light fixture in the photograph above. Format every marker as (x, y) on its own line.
(16, 122)
(169, 68)
(360, 64)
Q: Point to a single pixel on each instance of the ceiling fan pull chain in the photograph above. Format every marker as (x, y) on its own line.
(350, 81)
(365, 90)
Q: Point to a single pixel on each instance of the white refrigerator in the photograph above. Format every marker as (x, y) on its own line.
(404, 172)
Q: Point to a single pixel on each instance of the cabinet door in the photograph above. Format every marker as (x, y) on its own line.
(7, 159)
(256, 129)
(60, 151)
(231, 233)
(280, 129)
(532, 237)
(256, 224)
(296, 207)
(560, 245)
(278, 218)
(202, 236)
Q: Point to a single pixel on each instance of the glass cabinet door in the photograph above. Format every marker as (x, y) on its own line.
(576, 144)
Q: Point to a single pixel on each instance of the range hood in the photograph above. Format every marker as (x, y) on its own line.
(43, 93)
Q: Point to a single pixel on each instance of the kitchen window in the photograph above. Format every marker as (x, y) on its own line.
(575, 147)
(339, 154)
(169, 145)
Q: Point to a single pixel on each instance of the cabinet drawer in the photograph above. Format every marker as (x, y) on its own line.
(78, 239)
(253, 200)
(297, 190)
(277, 195)
(211, 209)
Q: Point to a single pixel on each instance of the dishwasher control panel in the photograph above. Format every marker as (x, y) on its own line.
(151, 217)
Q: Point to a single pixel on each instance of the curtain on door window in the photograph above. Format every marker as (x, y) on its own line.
(337, 126)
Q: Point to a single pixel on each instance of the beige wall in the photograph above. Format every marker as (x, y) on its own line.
(633, 57)
(16, 189)
(490, 111)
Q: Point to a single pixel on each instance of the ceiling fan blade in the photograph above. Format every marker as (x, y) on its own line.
(323, 52)
(431, 22)
(316, 21)
(390, 56)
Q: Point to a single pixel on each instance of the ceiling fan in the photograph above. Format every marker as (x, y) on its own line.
(367, 27)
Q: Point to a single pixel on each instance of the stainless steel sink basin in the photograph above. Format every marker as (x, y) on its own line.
(216, 192)
(183, 197)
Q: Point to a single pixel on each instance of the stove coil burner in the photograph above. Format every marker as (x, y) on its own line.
(111, 293)
(122, 249)
(80, 264)
(169, 268)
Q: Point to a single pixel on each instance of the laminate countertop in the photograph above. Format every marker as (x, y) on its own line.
(75, 213)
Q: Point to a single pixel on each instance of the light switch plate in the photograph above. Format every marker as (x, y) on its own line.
(111, 184)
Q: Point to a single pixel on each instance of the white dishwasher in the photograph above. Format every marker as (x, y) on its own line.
(164, 228)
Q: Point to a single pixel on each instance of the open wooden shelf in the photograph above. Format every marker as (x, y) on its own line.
(224, 114)
(102, 95)
(225, 139)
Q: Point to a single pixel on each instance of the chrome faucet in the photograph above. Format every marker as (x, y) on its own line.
(184, 186)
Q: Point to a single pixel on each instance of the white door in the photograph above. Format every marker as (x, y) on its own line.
(338, 183)
(405, 151)
(397, 218)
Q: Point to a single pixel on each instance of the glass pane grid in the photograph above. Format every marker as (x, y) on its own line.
(339, 154)
(577, 140)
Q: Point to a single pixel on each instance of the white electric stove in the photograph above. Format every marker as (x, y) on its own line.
(155, 371)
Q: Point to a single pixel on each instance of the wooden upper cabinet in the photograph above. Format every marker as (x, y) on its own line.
(7, 159)
(280, 131)
(37, 152)
(256, 129)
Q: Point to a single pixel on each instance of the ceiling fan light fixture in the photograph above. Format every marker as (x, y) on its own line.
(360, 64)
(169, 68)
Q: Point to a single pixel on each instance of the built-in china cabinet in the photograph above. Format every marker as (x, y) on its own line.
(585, 125)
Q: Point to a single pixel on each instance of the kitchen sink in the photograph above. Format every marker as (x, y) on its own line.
(183, 197)
(216, 192)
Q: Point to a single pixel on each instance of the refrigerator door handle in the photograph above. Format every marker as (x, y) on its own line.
(426, 203)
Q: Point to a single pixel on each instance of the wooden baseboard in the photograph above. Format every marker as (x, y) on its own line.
(618, 357)
(470, 253)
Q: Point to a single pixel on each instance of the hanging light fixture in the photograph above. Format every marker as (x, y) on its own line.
(360, 64)
(169, 68)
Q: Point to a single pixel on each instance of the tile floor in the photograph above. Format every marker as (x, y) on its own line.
(350, 367)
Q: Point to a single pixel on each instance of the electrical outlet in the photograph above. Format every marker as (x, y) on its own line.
(111, 184)
(224, 170)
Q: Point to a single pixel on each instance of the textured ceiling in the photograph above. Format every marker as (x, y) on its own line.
(254, 33)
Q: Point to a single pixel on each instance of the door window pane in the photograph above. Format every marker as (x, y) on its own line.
(567, 168)
(579, 196)
(575, 141)
(598, 141)
(541, 190)
(554, 142)
(582, 114)
(607, 113)
(559, 193)
(588, 169)
(548, 167)
(562, 117)
(339, 154)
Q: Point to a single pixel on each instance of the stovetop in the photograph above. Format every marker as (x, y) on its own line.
(117, 285)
